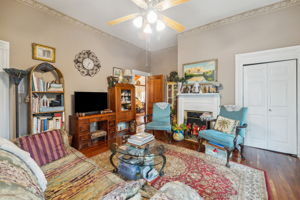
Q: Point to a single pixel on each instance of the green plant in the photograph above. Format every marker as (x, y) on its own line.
(181, 127)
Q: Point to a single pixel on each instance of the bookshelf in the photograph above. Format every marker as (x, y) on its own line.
(46, 99)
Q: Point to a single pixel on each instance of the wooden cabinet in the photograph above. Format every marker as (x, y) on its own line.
(122, 101)
(80, 128)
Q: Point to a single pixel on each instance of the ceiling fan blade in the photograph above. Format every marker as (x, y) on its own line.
(173, 24)
(140, 3)
(122, 19)
(166, 4)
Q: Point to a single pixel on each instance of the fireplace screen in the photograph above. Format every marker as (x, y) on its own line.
(196, 121)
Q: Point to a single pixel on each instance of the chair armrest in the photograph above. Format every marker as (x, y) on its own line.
(243, 126)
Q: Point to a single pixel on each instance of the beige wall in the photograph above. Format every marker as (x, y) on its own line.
(274, 30)
(22, 25)
(164, 61)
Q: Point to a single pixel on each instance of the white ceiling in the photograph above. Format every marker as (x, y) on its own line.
(191, 14)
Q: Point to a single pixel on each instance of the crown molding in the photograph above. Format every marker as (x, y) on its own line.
(245, 15)
(39, 6)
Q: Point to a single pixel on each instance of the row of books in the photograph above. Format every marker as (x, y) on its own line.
(46, 104)
(47, 123)
(39, 85)
(141, 139)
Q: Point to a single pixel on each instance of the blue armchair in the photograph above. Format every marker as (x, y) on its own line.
(161, 119)
(229, 141)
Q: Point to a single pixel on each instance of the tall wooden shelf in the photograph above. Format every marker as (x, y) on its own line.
(47, 73)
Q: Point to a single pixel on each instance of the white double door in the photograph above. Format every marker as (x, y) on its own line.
(270, 93)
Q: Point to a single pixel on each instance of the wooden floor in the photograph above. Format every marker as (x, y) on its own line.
(283, 170)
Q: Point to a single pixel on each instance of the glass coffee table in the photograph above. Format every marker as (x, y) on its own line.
(149, 155)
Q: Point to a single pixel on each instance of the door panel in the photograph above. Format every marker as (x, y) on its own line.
(270, 94)
(256, 100)
(282, 107)
(155, 86)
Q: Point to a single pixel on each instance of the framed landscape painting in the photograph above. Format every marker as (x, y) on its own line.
(202, 72)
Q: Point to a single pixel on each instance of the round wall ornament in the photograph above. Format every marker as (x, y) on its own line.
(87, 63)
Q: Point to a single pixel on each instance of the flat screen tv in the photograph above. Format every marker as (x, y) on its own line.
(90, 102)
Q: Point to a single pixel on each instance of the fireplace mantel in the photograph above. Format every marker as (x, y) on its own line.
(208, 102)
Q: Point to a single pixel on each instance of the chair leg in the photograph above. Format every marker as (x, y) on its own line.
(168, 136)
(200, 140)
(242, 151)
(228, 156)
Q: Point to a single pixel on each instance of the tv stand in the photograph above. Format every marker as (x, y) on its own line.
(81, 132)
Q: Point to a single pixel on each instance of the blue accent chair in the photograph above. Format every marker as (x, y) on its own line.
(229, 141)
(161, 119)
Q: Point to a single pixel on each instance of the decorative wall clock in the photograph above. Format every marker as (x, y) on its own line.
(87, 63)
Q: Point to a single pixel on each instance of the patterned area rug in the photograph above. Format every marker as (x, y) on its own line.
(206, 174)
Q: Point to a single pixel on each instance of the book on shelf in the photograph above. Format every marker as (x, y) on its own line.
(47, 123)
(39, 85)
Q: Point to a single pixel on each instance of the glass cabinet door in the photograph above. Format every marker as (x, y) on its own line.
(125, 100)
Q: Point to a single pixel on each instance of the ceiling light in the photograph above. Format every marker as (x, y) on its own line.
(160, 25)
(138, 22)
(148, 29)
(151, 17)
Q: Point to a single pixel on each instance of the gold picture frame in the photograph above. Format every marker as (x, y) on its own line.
(43, 52)
(202, 71)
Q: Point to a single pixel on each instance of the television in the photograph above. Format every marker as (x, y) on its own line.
(90, 102)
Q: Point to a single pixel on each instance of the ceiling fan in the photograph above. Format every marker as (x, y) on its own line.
(151, 16)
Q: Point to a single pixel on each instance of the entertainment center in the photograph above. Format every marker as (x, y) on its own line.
(88, 125)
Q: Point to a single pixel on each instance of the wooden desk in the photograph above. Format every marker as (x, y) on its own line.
(80, 128)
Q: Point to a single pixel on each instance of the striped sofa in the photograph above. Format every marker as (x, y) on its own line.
(69, 173)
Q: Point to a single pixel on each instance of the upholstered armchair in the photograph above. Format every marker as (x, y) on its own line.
(161, 119)
(229, 141)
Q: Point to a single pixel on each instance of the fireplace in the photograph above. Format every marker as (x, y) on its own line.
(197, 104)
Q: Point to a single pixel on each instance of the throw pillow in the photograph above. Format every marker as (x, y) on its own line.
(125, 190)
(176, 191)
(44, 147)
(226, 125)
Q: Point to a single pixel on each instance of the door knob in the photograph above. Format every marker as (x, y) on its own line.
(270, 109)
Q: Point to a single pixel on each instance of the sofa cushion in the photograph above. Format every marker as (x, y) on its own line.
(10, 147)
(17, 181)
(77, 177)
(44, 147)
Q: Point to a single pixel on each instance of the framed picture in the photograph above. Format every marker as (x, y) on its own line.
(117, 72)
(202, 72)
(42, 52)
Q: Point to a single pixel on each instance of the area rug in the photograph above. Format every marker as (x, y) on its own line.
(207, 174)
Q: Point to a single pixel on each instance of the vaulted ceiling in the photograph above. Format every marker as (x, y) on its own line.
(192, 14)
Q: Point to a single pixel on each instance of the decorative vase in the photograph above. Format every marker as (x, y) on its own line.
(178, 135)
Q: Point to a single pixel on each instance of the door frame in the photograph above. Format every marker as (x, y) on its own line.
(272, 55)
(6, 112)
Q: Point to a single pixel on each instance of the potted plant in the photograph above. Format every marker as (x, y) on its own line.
(178, 132)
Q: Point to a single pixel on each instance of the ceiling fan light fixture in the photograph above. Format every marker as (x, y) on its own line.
(160, 25)
(152, 17)
(138, 22)
(148, 29)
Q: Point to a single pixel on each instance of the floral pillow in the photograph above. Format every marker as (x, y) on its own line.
(226, 125)
(125, 190)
